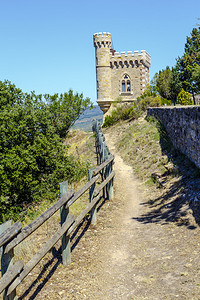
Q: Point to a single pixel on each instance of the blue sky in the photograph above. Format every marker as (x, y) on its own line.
(47, 45)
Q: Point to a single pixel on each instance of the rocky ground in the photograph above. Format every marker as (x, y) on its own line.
(145, 244)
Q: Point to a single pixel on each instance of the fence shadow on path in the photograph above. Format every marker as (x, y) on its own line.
(56, 260)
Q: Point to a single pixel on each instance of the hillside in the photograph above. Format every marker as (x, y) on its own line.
(85, 120)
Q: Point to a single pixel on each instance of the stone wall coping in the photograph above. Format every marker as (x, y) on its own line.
(176, 107)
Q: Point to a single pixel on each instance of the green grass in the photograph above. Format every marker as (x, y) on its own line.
(140, 147)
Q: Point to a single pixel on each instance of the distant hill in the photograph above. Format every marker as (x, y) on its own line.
(85, 120)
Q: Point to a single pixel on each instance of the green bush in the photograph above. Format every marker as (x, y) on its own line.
(127, 111)
(165, 101)
(122, 112)
(151, 101)
(184, 98)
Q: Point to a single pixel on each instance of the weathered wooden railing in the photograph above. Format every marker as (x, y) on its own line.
(13, 235)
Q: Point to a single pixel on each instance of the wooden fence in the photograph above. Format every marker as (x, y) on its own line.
(12, 235)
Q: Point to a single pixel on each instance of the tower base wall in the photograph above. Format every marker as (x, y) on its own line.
(105, 104)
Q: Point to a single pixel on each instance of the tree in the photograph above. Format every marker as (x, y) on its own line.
(163, 81)
(186, 64)
(65, 109)
(196, 76)
(150, 91)
(33, 159)
(175, 85)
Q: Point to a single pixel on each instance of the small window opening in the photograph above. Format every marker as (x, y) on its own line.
(123, 87)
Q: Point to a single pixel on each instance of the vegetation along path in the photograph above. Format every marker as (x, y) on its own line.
(132, 253)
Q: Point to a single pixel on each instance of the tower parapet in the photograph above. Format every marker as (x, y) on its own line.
(102, 39)
(131, 58)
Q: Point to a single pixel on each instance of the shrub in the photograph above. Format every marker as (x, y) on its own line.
(166, 101)
(127, 111)
(121, 112)
(149, 102)
(184, 98)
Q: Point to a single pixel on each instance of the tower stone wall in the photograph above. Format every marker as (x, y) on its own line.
(119, 74)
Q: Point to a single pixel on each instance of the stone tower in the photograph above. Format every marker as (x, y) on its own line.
(124, 75)
(102, 43)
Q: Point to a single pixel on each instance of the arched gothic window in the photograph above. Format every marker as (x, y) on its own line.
(126, 84)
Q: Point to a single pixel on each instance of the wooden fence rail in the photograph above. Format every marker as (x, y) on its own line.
(13, 235)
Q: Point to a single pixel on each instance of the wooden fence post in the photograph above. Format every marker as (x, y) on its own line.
(7, 261)
(106, 170)
(101, 148)
(110, 184)
(98, 152)
(91, 195)
(102, 155)
(64, 214)
(95, 129)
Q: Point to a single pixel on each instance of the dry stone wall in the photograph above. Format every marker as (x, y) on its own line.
(183, 127)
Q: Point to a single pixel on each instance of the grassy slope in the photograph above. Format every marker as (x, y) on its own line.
(170, 180)
(138, 143)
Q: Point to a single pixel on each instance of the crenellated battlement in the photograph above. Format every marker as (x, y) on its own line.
(131, 58)
(102, 39)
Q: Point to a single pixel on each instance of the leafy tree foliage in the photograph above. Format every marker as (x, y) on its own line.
(196, 76)
(65, 109)
(185, 74)
(150, 90)
(163, 81)
(175, 85)
(168, 84)
(33, 159)
(187, 63)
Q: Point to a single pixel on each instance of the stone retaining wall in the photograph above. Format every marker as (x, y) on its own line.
(183, 127)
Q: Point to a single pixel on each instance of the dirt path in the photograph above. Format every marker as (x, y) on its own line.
(127, 255)
(148, 260)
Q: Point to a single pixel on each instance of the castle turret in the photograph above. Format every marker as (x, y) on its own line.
(119, 74)
(102, 44)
